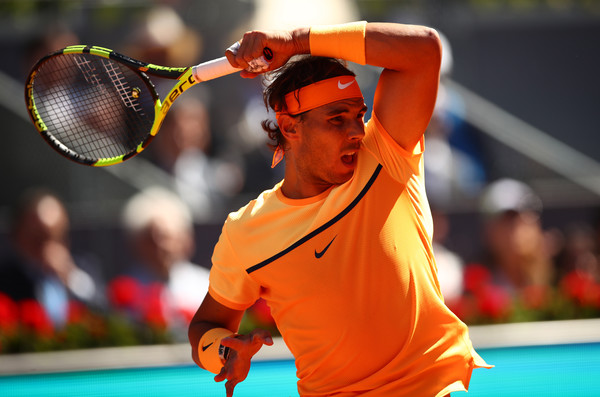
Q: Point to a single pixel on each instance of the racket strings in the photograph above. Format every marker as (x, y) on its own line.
(93, 106)
(123, 87)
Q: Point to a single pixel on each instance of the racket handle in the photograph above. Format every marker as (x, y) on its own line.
(213, 69)
(221, 67)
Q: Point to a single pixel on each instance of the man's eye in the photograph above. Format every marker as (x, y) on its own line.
(336, 120)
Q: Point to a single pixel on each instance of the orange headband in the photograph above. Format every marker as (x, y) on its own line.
(321, 93)
(315, 95)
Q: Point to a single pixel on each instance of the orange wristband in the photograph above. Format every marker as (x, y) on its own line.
(209, 346)
(345, 41)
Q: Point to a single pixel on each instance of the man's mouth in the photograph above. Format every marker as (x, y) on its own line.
(349, 158)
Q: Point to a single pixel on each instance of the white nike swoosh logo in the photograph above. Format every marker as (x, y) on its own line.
(344, 86)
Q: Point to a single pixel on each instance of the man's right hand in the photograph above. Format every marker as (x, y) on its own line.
(243, 348)
(283, 43)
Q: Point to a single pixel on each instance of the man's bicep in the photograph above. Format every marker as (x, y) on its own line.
(404, 104)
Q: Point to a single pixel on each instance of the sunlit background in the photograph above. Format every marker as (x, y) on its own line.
(519, 103)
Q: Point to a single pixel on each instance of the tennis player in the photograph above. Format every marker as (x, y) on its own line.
(341, 248)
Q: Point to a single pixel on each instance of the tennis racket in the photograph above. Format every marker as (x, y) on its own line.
(98, 107)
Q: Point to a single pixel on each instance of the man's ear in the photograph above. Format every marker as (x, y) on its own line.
(287, 125)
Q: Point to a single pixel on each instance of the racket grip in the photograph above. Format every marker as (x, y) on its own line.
(221, 67)
(213, 69)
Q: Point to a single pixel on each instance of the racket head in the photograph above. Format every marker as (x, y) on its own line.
(94, 106)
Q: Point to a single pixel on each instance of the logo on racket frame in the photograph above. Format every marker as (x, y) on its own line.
(175, 92)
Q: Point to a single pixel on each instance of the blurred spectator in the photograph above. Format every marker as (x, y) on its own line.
(528, 273)
(519, 252)
(579, 268)
(580, 251)
(205, 183)
(163, 38)
(41, 267)
(210, 170)
(162, 284)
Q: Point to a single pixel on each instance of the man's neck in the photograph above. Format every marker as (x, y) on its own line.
(296, 190)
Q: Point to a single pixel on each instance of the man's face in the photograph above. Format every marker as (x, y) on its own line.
(161, 244)
(330, 138)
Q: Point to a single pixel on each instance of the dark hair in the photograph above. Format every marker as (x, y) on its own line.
(297, 73)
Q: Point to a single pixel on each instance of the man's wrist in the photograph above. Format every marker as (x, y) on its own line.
(301, 38)
(210, 350)
(345, 41)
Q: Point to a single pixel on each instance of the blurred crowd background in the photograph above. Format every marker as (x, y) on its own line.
(120, 255)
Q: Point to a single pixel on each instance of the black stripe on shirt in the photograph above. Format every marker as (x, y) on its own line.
(323, 227)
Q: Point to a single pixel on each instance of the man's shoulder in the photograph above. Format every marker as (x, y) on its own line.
(254, 208)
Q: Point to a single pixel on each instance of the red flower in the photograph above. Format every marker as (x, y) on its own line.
(476, 276)
(464, 307)
(34, 317)
(494, 302)
(76, 312)
(124, 292)
(153, 306)
(581, 287)
(144, 302)
(9, 314)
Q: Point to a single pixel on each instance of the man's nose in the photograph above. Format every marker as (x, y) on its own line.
(357, 130)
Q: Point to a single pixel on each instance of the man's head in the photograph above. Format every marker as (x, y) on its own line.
(320, 111)
(294, 75)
